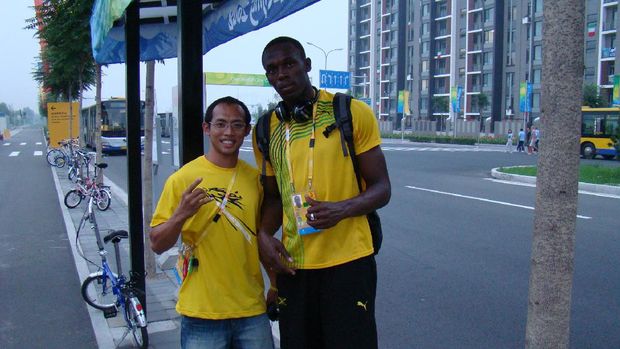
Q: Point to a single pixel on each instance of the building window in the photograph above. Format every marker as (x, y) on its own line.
(536, 76)
(425, 47)
(424, 85)
(488, 36)
(537, 52)
(486, 80)
(488, 15)
(537, 29)
(424, 66)
(536, 101)
(487, 58)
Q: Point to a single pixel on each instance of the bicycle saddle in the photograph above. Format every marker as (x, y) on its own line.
(102, 165)
(116, 236)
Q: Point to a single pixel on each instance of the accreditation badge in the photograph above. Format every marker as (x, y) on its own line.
(300, 208)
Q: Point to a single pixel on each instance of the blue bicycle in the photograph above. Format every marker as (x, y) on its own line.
(109, 291)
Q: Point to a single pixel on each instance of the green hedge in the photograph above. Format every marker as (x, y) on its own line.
(447, 139)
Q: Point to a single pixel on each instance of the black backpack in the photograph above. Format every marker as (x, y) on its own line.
(343, 121)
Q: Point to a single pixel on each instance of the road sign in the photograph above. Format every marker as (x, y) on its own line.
(58, 121)
(335, 79)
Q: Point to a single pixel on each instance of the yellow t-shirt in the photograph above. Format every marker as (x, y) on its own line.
(228, 282)
(333, 180)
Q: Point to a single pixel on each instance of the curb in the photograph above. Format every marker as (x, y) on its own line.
(587, 187)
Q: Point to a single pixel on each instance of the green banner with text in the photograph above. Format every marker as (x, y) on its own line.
(236, 79)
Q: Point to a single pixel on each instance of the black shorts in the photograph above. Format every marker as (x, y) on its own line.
(331, 308)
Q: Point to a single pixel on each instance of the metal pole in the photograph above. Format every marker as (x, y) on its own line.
(134, 159)
(190, 76)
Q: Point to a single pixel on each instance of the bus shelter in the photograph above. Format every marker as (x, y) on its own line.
(130, 31)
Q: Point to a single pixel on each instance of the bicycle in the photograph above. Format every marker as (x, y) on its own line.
(89, 187)
(60, 156)
(109, 291)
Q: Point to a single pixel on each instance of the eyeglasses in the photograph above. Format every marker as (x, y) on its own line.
(222, 125)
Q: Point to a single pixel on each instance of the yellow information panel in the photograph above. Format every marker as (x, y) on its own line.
(58, 122)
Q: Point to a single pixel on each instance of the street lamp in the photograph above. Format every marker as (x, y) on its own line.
(325, 53)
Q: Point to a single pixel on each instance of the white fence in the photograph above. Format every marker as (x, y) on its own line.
(463, 127)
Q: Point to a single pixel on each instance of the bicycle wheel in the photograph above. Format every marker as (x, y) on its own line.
(96, 294)
(60, 161)
(103, 199)
(140, 334)
(73, 174)
(51, 156)
(73, 198)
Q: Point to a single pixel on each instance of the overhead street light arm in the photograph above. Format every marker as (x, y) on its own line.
(324, 52)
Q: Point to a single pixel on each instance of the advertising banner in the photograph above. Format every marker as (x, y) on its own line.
(616, 93)
(401, 102)
(525, 97)
(455, 98)
(236, 79)
(58, 122)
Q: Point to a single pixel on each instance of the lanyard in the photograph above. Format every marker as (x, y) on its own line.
(310, 155)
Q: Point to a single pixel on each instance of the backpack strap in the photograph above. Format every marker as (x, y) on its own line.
(263, 135)
(344, 121)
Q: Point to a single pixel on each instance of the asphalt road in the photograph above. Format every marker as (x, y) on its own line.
(39, 287)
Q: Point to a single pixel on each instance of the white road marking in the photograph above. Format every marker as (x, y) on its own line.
(480, 199)
(5, 144)
(246, 149)
(38, 153)
(14, 153)
(611, 196)
(39, 143)
(22, 143)
(447, 149)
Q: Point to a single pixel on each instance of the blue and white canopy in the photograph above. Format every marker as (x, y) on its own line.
(222, 21)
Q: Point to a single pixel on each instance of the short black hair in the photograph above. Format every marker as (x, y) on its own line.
(227, 100)
(286, 40)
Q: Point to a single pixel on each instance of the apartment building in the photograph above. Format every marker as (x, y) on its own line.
(484, 51)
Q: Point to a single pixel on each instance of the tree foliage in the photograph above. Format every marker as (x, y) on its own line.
(66, 66)
(440, 104)
(592, 98)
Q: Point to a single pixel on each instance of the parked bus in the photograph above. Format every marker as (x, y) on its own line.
(113, 125)
(598, 125)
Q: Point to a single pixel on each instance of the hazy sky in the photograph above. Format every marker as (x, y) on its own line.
(323, 24)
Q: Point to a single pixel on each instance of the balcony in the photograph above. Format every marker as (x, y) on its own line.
(608, 52)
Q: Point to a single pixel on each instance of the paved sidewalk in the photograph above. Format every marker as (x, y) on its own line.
(161, 291)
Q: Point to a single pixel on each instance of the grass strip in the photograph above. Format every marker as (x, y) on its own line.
(594, 174)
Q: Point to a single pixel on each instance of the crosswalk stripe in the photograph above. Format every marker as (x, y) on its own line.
(14, 153)
(5, 144)
(38, 143)
(38, 153)
(22, 143)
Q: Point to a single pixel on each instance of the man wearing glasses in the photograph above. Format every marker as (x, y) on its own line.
(213, 203)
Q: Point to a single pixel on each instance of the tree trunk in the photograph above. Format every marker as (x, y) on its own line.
(147, 177)
(551, 273)
(99, 156)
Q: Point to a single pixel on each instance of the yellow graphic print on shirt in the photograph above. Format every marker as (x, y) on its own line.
(333, 180)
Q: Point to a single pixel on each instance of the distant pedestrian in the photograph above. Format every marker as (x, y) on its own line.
(533, 140)
(528, 138)
(537, 133)
(521, 141)
(509, 141)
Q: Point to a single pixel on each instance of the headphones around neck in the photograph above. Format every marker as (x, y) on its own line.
(300, 113)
